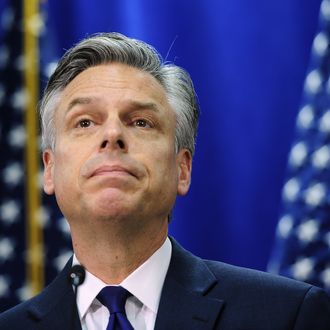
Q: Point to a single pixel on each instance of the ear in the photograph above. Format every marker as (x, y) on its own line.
(184, 160)
(48, 160)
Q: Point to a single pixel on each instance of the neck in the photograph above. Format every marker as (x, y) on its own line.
(111, 252)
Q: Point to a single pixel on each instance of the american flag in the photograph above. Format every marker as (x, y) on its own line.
(14, 94)
(302, 246)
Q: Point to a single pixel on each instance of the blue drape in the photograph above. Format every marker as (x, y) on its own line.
(248, 60)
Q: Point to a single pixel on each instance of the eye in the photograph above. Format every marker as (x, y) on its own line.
(84, 123)
(142, 123)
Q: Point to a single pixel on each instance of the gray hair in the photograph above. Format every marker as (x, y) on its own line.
(116, 48)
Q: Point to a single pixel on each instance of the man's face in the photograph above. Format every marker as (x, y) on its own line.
(114, 154)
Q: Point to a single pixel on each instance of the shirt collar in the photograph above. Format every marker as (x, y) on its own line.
(145, 282)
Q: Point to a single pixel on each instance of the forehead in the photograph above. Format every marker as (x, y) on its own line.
(109, 81)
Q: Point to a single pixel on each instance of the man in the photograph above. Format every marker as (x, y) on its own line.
(118, 137)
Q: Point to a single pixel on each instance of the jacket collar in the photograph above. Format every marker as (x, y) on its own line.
(185, 302)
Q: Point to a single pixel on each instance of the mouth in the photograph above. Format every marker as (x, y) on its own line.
(112, 170)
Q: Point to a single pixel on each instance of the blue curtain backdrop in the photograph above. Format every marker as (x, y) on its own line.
(248, 60)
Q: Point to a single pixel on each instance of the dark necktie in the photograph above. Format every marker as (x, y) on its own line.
(114, 298)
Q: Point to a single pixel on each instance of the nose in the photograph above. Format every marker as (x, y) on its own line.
(113, 137)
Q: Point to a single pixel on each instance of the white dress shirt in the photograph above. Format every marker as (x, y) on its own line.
(145, 284)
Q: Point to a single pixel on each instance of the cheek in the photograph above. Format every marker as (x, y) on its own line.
(66, 170)
(163, 166)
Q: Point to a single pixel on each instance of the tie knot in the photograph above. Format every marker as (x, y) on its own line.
(114, 298)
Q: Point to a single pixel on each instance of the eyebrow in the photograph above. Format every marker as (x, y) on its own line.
(80, 101)
(136, 105)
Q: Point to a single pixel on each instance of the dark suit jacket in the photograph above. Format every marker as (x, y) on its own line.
(197, 294)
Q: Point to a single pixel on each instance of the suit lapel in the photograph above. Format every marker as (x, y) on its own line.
(55, 307)
(185, 302)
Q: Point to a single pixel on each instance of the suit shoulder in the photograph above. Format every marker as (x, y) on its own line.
(274, 297)
(251, 277)
(254, 282)
(51, 298)
(251, 299)
(15, 317)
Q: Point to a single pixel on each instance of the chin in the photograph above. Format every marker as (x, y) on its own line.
(111, 204)
(112, 210)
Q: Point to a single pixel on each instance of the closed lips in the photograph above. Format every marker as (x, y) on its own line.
(103, 170)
